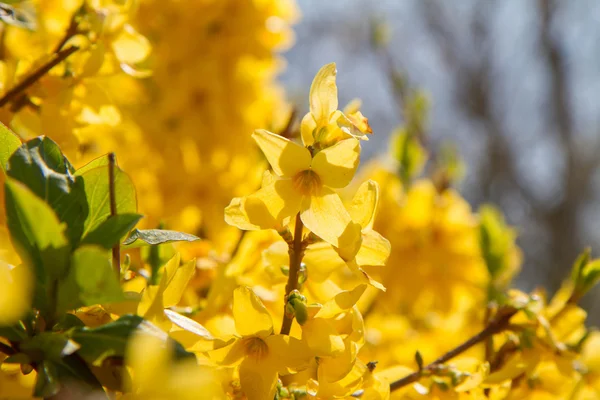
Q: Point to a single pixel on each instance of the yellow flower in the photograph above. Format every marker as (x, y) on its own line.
(303, 184)
(325, 125)
(261, 355)
(374, 249)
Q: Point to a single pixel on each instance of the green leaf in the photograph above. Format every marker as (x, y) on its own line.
(51, 346)
(37, 236)
(410, 154)
(68, 369)
(497, 243)
(108, 340)
(9, 143)
(90, 280)
(579, 264)
(590, 275)
(158, 236)
(14, 333)
(97, 194)
(95, 163)
(46, 384)
(66, 322)
(41, 166)
(111, 231)
(73, 368)
(19, 358)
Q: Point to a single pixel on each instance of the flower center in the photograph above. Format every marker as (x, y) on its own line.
(256, 348)
(307, 182)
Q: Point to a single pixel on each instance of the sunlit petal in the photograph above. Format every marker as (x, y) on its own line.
(287, 353)
(337, 164)
(374, 250)
(268, 207)
(251, 316)
(324, 214)
(286, 157)
(258, 379)
(364, 204)
(323, 94)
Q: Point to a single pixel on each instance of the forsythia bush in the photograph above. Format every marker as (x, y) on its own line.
(322, 285)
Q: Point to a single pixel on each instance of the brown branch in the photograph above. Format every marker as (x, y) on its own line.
(14, 93)
(296, 252)
(496, 325)
(116, 250)
(71, 31)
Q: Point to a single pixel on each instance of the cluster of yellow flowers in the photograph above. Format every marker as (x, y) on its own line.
(214, 68)
(389, 288)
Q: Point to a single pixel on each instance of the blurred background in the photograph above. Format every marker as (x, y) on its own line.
(515, 84)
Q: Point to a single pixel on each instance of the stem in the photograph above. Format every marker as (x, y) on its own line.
(296, 252)
(72, 30)
(497, 325)
(36, 75)
(116, 250)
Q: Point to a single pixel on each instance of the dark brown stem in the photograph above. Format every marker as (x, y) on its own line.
(296, 252)
(72, 30)
(496, 325)
(116, 250)
(36, 75)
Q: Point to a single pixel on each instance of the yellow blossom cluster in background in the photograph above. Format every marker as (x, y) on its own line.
(309, 278)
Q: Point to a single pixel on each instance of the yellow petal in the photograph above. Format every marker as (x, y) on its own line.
(341, 302)
(520, 363)
(130, 47)
(323, 94)
(151, 307)
(364, 204)
(337, 164)
(251, 316)
(362, 274)
(350, 242)
(267, 179)
(229, 355)
(178, 282)
(269, 206)
(235, 215)
(286, 157)
(189, 333)
(321, 260)
(322, 338)
(287, 354)
(307, 129)
(335, 368)
(257, 379)
(374, 250)
(325, 215)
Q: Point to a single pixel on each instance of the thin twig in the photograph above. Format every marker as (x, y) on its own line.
(116, 250)
(497, 325)
(296, 252)
(13, 93)
(71, 31)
